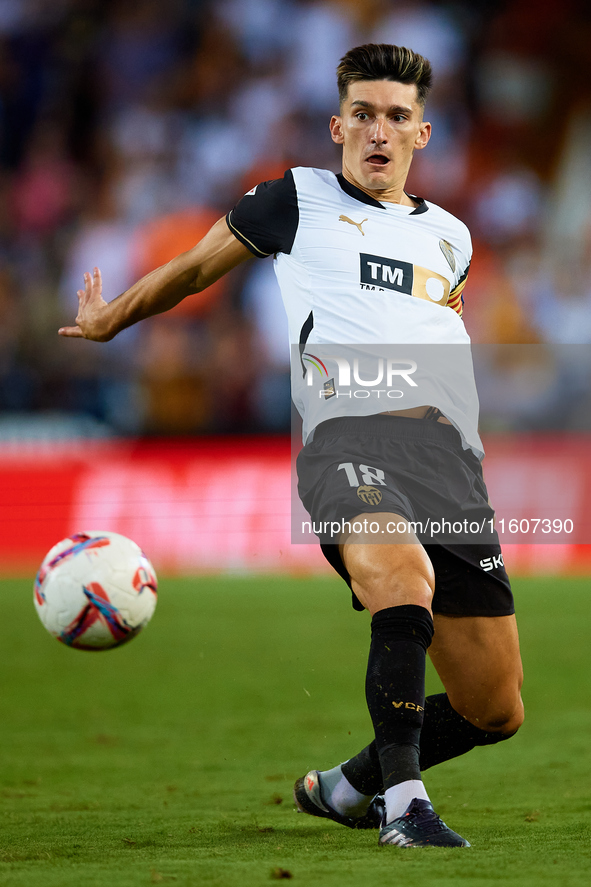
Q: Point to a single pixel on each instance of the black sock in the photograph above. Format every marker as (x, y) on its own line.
(445, 735)
(395, 688)
(364, 771)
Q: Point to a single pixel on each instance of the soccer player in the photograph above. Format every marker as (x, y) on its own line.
(359, 260)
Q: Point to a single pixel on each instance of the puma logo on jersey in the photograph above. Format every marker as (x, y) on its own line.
(351, 222)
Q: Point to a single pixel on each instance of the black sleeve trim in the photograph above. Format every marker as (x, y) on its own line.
(244, 240)
(266, 219)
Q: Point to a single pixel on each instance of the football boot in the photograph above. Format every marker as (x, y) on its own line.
(420, 826)
(307, 794)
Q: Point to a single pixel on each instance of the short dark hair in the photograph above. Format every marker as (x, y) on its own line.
(383, 61)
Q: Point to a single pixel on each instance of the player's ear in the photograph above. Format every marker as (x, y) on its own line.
(336, 130)
(423, 136)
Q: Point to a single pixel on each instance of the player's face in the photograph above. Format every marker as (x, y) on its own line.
(380, 126)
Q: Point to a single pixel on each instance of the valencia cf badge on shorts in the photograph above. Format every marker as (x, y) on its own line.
(369, 495)
(329, 389)
(448, 252)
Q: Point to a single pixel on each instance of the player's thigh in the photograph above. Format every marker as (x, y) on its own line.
(479, 663)
(387, 574)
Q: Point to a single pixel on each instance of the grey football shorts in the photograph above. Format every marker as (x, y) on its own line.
(415, 468)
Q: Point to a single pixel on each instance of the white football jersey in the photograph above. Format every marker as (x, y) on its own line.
(354, 271)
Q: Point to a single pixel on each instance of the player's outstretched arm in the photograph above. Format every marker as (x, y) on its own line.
(162, 289)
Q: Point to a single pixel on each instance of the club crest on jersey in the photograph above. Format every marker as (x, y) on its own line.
(369, 495)
(448, 252)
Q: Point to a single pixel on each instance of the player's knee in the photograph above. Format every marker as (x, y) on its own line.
(502, 718)
(380, 584)
(507, 724)
(403, 581)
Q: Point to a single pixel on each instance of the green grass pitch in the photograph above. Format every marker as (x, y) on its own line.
(171, 760)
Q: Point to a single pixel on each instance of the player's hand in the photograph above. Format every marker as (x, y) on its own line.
(91, 318)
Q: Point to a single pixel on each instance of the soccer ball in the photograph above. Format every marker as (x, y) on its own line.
(95, 590)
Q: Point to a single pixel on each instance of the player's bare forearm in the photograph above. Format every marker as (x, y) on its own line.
(158, 291)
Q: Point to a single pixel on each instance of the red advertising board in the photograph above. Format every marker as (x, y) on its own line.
(223, 504)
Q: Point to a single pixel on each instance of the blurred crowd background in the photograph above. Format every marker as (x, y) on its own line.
(127, 127)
